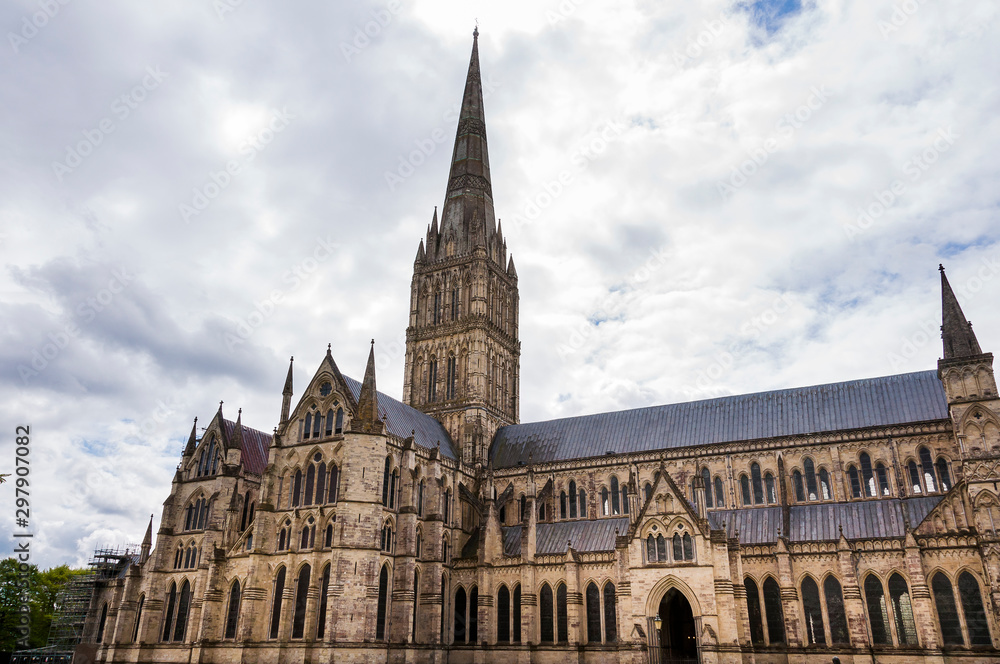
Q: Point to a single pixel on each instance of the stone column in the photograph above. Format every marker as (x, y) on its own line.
(924, 613)
(789, 595)
(574, 598)
(854, 608)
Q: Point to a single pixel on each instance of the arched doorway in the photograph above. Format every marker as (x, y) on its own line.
(678, 641)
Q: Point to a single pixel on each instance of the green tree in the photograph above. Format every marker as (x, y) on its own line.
(42, 589)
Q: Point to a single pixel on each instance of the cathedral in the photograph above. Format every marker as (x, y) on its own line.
(849, 522)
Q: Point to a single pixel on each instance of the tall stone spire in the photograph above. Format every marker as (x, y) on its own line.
(147, 542)
(467, 219)
(286, 394)
(956, 332)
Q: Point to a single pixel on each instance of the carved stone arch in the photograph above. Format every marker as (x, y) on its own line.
(647, 528)
(666, 584)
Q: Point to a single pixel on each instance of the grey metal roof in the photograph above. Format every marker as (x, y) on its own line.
(553, 538)
(401, 419)
(888, 400)
(867, 519)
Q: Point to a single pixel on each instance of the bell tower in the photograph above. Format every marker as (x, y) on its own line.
(462, 348)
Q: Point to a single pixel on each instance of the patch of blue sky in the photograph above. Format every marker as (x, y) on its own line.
(97, 448)
(770, 14)
(955, 248)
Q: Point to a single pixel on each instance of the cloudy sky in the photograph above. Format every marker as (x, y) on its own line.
(701, 199)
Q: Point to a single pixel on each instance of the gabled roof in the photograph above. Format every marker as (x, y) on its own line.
(554, 538)
(864, 519)
(253, 446)
(401, 420)
(857, 404)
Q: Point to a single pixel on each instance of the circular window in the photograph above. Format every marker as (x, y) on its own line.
(325, 389)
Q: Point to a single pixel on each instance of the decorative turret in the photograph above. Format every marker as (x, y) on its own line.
(147, 542)
(286, 394)
(367, 418)
(965, 370)
(192, 439)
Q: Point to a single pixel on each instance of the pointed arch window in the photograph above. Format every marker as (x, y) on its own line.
(459, 627)
(753, 612)
(437, 307)
(878, 611)
(416, 605)
(138, 619)
(583, 504)
(545, 614)
(773, 611)
(328, 539)
(383, 599)
(385, 481)
(914, 477)
(233, 613)
(572, 500)
(301, 592)
(745, 490)
(648, 491)
(883, 479)
(852, 473)
(624, 499)
(183, 609)
(867, 477)
(944, 477)
(310, 485)
(420, 498)
(339, 427)
(944, 601)
(103, 623)
(605, 505)
(616, 507)
(800, 494)
(523, 505)
(320, 481)
(474, 614)
(454, 303)
(906, 628)
(297, 488)
(720, 494)
(324, 598)
(452, 377)
(824, 484)
(972, 607)
(562, 505)
(503, 615)
(610, 614)
(758, 485)
(331, 496)
(678, 548)
(769, 492)
(393, 485)
(835, 610)
(813, 612)
(706, 477)
(809, 470)
(650, 548)
(308, 427)
(593, 613)
(329, 422)
(277, 593)
(688, 544)
(169, 615)
(561, 616)
(927, 466)
(432, 377)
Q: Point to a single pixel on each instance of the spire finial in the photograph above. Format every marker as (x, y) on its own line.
(475, 32)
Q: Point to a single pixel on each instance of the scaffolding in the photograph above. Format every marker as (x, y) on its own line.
(73, 602)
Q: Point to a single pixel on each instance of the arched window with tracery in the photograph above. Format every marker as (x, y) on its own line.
(758, 483)
(745, 491)
(813, 609)
(753, 612)
(183, 610)
(562, 622)
(573, 511)
(233, 612)
(878, 610)
(773, 611)
(706, 478)
(383, 600)
(809, 470)
(277, 594)
(972, 607)
(906, 628)
(770, 493)
(324, 598)
(944, 602)
(720, 494)
(616, 507)
(867, 476)
(503, 615)
(301, 593)
(927, 466)
(835, 610)
(545, 607)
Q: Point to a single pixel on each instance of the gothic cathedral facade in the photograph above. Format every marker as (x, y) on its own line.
(852, 522)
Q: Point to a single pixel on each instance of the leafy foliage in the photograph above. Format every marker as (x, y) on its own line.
(41, 590)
